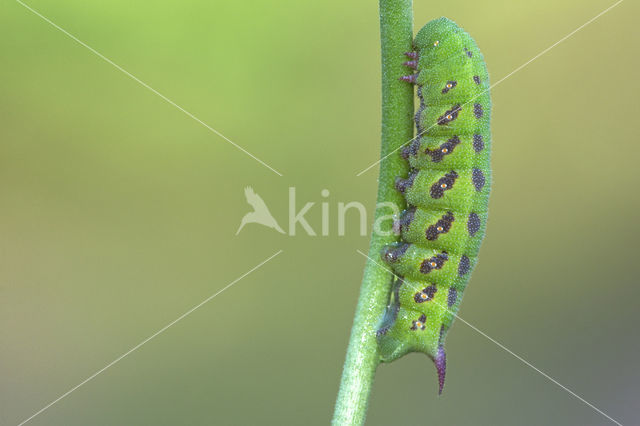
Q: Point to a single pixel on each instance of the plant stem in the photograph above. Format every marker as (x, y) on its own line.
(396, 34)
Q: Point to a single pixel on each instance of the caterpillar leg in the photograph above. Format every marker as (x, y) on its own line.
(411, 64)
(409, 78)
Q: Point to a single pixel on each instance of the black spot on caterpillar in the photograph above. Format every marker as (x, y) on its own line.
(464, 266)
(442, 226)
(426, 294)
(473, 224)
(403, 184)
(411, 149)
(478, 143)
(452, 297)
(445, 149)
(393, 252)
(405, 219)
(478, 179)
(416, 117)
(449, 115)
(477, 110)
(420, 323)
(450, 85)
(433, 263)
(443, 184)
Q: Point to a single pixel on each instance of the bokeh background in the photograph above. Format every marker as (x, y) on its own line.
(119, 212)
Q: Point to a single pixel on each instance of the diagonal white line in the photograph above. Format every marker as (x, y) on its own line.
(498, 82)
(538, 370)
(136, 347)
(101, 56)
(557, 43)
(518, 357)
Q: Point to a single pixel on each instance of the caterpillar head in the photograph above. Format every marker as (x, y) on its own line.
(435, 33)
(437, 42)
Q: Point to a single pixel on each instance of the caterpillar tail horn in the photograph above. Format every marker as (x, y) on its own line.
(441, 365)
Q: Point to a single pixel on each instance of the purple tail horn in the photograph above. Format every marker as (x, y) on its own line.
(441, 365)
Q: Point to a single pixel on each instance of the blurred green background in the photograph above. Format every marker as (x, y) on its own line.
(119, 214)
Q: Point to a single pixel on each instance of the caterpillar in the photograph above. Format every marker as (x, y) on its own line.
(446, 190)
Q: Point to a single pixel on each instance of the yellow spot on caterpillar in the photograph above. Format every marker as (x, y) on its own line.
(445, 150)
(449, 85)
(433, 264)
(418, 324)
(443, 185)
(423, 296)
(435, 43)
(449, 116)
(440, 228)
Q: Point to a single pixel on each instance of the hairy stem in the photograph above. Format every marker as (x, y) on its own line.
(396, 34)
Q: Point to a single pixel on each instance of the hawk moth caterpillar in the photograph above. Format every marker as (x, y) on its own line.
(447, 193)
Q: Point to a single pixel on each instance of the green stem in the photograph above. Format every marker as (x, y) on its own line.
(396, 34)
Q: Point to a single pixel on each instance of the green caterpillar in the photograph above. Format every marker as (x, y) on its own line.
(447, 191)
